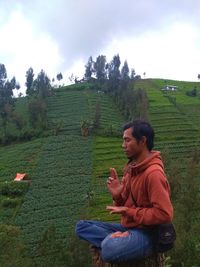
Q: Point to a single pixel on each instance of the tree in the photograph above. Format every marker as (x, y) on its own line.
(13, 84)
(100, 68)
(42, 85)
(29, 81)
(18, 120)
(89, 69)
(132, 74)
(124, 83)
(114, 74)
(3, 74)
(137, 77)
(20, 94)
(125, 71)
(113, 69)
(17, 86)
(59, 76)
(71, 78)
(6, 96)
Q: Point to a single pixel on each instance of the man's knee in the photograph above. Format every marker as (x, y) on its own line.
(80, 226)
(108, 249)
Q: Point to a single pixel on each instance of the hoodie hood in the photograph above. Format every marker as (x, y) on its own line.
(154, 159)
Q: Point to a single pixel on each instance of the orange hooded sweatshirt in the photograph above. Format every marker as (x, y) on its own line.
(146, 193)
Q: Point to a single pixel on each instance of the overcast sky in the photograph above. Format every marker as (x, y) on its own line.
(161, 38)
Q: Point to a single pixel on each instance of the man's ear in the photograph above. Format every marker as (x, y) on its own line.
(143, 140)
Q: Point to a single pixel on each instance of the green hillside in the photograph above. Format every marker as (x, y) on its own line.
(175, 122)
(68, 171)
(60, 165)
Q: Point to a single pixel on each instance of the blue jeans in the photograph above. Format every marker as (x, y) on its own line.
(138, 244)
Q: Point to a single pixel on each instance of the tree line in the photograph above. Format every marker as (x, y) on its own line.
(6, 97)
(118, 82)
(108, 77)
(102, 70)
(37, 91)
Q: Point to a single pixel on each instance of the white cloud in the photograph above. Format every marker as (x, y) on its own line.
(173, 53)
(23, 47)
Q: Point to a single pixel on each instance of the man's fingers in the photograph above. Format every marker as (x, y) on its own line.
(116, 234)
(119, 234)
(110, 179)
(110, 208)
(113, 173)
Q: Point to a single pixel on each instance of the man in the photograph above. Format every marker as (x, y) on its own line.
(141, 198)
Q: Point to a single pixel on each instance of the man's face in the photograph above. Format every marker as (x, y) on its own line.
(131, 147)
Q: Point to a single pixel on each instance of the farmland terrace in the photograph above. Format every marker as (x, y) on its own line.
(68, 172)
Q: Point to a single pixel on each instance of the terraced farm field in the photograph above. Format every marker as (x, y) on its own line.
(59, 185)
(68, 172)
(63, 165)
(62, 177)
(175, 123)
(177, 135)
(18, 158)
(107, 153)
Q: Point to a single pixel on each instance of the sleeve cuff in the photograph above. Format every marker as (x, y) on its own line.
(130, 212)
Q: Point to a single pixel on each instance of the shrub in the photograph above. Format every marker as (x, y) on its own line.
(10, 202)
(193, 92)
(13, 188)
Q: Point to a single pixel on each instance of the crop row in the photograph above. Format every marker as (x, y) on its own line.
(109, 114)
(58, 193)
(19, 158)
(66, 109)
(107, 153)
(172, 123)
(69, 108)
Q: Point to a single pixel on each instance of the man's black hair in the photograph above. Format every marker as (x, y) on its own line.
(141, 128)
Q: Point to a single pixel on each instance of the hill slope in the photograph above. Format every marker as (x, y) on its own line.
(173, 115)
(69, 171)
(61, 180)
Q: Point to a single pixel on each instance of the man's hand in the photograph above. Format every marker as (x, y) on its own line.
(116, 210)
(114, 185)
(120, 234)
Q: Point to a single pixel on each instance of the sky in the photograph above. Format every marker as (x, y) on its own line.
(159, 38)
